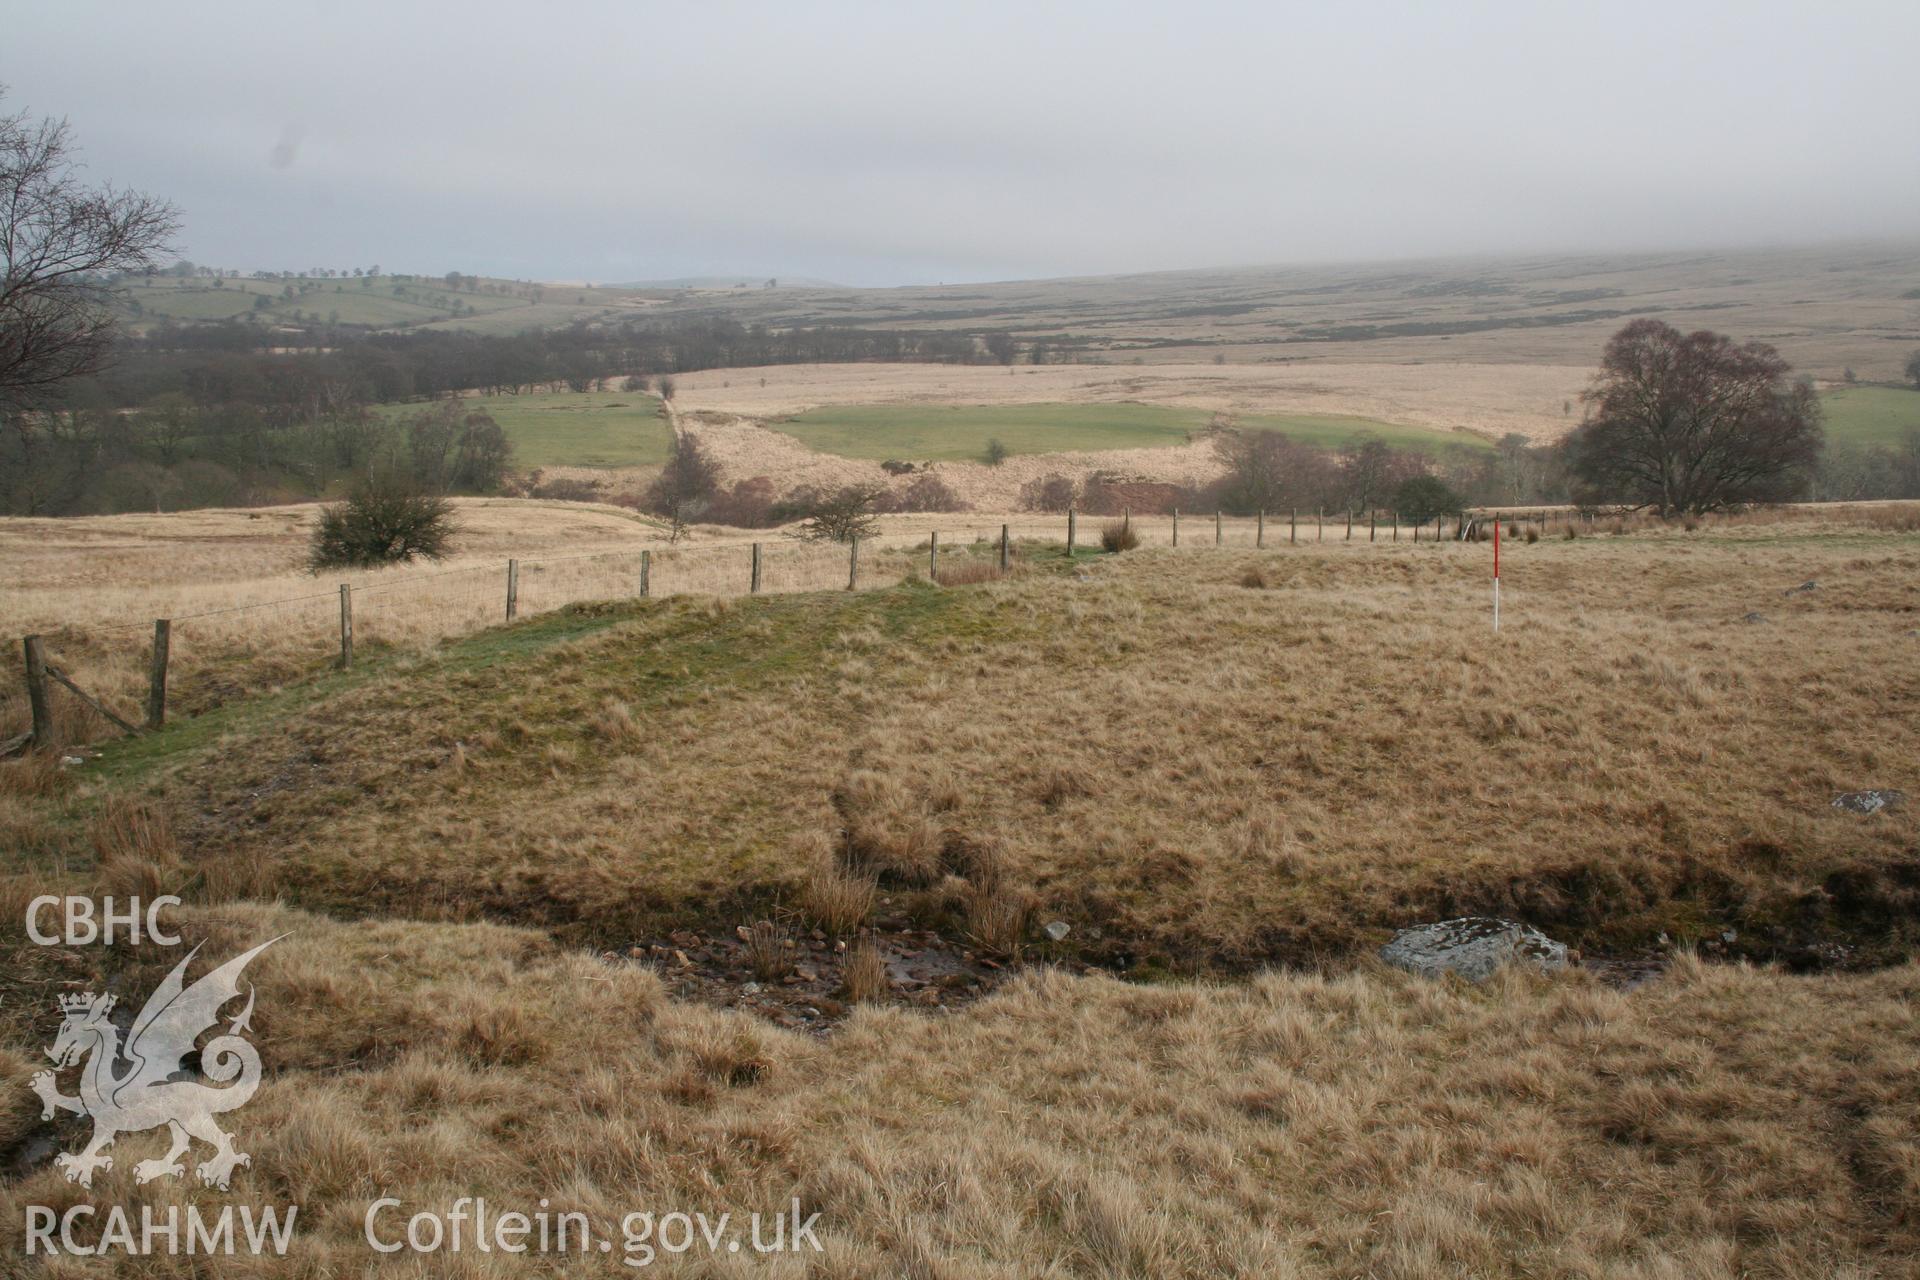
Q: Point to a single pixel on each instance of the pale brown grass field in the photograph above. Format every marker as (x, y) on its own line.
(1208, 763)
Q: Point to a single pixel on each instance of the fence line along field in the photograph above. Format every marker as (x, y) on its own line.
(247, 616)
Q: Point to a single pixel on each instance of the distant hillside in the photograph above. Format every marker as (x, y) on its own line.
(729, 282)
(1829, 309)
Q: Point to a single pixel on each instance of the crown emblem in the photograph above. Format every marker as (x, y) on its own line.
(85, 1002)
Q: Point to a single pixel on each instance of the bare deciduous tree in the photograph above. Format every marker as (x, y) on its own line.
(686, 485)
(61, 241)
(1694, 422)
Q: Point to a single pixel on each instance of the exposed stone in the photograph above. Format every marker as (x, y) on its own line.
(1058, 930)
(1802, 589)
(1473, 947)
(1754, 617)
(1869, 801)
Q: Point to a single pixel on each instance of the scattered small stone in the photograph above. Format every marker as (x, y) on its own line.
(67, 762)
(1754, 617)
(749, 988)
(1058, 930)
(839, 946)
(1473, 947)
(1869, 801)
(1729, 935)
(1802, 589)
(680, 959)
(635, 953)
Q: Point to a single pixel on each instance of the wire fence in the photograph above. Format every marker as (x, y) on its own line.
(143, 671)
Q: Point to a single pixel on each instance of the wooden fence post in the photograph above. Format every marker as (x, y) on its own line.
(1176, 526)
(513, 589)
(933, 556)
(646, 574)
(1005, 549)
(1260, 528)
(1396, 526)
(1349, 524)
(346, 625)
(36, 656)
(753, 588)
(157, 673)
(1070, 533)
(1319, 525)
(1126, 518)
(853, 562)
(1293, 526)
(1219, 537)
(1373, 526)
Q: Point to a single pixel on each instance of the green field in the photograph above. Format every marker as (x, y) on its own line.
(1871, 415)
(961, 432)
(574, 429)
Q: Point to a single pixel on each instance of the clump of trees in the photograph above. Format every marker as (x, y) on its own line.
(1419, 499)
(386, 519)
(1690, 423)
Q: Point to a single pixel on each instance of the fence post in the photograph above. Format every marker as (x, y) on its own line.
(933, 556)
(157, 673)
(1373, 525)
(646, 574)
(753, 588)
(1319, 525)
(1219, 538)
(1260, 528)
(1070, 533)
(853, 562)
(1396, 526)
(1005, 549)
(513, 589)
(346, 625)
(36, 657)
(1176, 526)
(1293, 525)
(1126, 518)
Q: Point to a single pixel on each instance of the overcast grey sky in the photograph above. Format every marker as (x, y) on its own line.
(909, 143)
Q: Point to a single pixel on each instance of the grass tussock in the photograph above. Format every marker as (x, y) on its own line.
(769, 950)
(1118, 535)
(968, 571)
(836, 899)
(865, 975)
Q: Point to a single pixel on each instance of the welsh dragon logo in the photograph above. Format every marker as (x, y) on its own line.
(154, 1089)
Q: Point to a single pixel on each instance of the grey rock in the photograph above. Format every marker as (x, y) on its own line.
(1473, 947)
(1754, 617)
(1058, 930)
(1869, 801)
(1802, 589)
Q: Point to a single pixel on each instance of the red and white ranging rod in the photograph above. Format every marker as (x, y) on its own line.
(1496, 573)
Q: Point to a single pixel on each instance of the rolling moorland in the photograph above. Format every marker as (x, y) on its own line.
(713, 901)
(1255, 766)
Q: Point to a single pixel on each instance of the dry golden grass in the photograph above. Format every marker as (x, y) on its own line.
(249, 617)
(1360, 1126)
(1186, 770)
(1191, 773)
